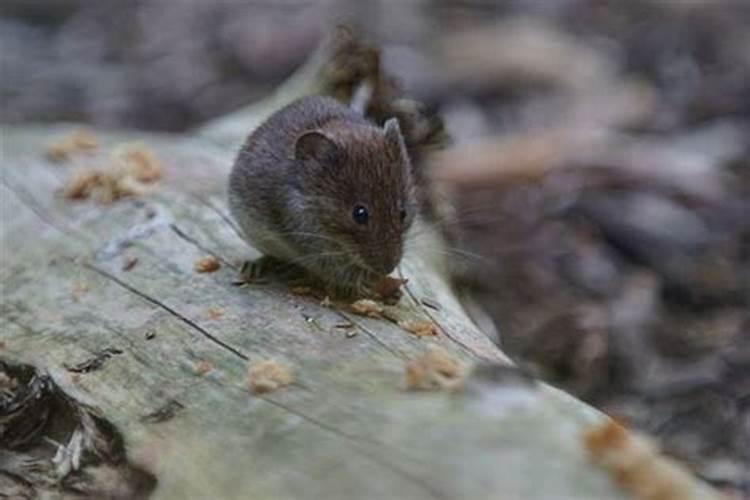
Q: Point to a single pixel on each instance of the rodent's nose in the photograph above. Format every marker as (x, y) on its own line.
(384, 262)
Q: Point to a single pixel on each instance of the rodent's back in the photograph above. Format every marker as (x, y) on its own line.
(264, 170)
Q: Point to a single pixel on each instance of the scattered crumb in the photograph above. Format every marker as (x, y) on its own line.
(104, 186)
(202, 368)
(389, 288)
(351, 334)
(139, 161)
(419, 328)
(7, 382)
(79, 141)
(129, 263)
(635, 463)
(208, 264)
(326, 302)
(434, 370)
(214, 312)
(301, 290)
(79, 290)
(367, 307)
(267, 376)
(125, 174)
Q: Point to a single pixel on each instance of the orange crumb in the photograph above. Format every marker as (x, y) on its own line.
(214, 312)
(367, 307)
(267, 376)
(635, 463)
(202, 368)
(139, 161)
(419, 328)
(208, 264)
(76, 142)
(434, 369)
(79, 290)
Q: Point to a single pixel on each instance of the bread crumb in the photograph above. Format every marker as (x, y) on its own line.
(79, 290)
(208, 264)
(326, 302)
(78, 141)
(202, 368)
(367, 307)
(635, 463)
(419, 328)
(435, 369)
(125, 174)
(214, 312)
(267, 376)
(138, 161)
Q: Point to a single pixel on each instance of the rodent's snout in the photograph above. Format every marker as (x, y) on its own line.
(384, 261)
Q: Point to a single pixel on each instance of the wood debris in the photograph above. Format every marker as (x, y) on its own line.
(208, 264)
(434, 370)
(78, 141)
(267, 376)
(635, 463)
(129, 263)
(419, 328)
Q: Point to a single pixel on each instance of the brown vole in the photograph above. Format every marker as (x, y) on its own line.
(319, 186)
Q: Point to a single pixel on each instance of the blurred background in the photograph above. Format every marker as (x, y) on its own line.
(597, 179)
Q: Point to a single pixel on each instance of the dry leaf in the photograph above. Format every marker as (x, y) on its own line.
(267, 376)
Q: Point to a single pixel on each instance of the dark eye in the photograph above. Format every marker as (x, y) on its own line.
(360, 215)
(402, 214)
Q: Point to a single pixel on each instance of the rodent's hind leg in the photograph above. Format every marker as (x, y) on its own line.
(259, 270)
(254, 271)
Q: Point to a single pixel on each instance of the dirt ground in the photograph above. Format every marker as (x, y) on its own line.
(598, 176)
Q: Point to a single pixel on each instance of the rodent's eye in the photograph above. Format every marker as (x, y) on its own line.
(360, 214)
(402, 214)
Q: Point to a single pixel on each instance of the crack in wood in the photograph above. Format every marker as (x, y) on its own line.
(168, 309)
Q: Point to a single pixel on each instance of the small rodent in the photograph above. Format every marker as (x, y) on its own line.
(320, 186)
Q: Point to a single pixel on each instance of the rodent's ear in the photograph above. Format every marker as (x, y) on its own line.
(393, 134)
(315, 145)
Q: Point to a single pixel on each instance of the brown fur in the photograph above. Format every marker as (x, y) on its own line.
(298, 177)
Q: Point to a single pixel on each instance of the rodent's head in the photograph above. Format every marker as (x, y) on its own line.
(361, 192)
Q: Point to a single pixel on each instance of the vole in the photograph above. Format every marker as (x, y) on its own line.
(320, 186)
